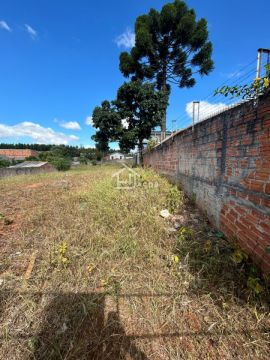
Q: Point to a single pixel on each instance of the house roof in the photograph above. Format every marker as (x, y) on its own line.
(20, 151)
(30, 164)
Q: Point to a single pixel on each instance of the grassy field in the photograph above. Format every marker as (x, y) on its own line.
(88, 271)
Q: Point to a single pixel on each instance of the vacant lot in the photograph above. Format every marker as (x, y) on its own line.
(88, 271)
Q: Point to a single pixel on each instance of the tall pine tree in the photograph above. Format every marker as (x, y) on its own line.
(171, 47)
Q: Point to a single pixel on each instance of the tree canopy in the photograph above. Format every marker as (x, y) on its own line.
(129, 119)
(37, 147)
(107, 121)
(171, 46)
(142, 107)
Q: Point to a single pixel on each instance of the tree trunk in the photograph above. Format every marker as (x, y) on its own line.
(164, 89)
(163, 125)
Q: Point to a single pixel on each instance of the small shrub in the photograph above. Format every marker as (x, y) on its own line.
(254, 276)
(94, 163)
(4, 163)
(254, 285)
(61, 164)
(259, 86)
(238, 256)
(185, 234)
(151, 143)
(128, 247)
(267, 249)
(207, 246)
(83, 160)
(31, 158)
(60, 253)
(174, 198)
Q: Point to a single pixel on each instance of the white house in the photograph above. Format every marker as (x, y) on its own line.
(117, 156)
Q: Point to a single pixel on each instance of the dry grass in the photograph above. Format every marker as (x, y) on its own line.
(86, 272)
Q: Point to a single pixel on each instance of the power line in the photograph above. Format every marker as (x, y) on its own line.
(216, 100)
(235, 77)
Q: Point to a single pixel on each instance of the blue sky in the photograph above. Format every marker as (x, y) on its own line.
(59, 59)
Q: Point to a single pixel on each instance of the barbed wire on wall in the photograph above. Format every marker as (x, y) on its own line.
(212, 104)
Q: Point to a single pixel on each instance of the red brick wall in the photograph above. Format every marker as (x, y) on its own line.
(225, 163)
(14, 153)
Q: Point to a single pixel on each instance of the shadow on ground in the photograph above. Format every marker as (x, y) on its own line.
(82, 326)
(74, 327)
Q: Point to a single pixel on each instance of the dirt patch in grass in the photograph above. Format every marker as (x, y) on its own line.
(111, 279)
(35, 185)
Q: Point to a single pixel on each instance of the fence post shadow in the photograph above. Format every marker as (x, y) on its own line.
(74, 327)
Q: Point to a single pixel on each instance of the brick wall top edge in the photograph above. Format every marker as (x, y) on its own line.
(188, 131)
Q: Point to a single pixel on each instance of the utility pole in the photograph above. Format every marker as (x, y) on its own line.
(194, 113)
(259, 60)
(173, 122)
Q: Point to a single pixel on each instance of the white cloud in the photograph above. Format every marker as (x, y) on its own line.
(126, 39)
(4, 25)
(38, 133)
(206, 109)
(32, 32)
(71, 125)
(89, 121)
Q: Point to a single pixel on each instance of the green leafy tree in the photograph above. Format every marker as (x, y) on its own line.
(31, 158)
(130, 118)
(38, 147)
(107, 121)
(4, 163)
(171, 47)
(89, 153)
(61, 164)
(83, 159)
(142, 108)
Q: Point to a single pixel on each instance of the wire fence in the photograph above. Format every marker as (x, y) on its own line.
(212, 105)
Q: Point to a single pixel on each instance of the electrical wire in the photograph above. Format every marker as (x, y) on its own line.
(219, 99)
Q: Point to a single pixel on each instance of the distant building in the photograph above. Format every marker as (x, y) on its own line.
(34, 164)
(116, 156)
(27, 168)
(17, 154)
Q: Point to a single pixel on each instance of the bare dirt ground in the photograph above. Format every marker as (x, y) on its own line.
(88, 271)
